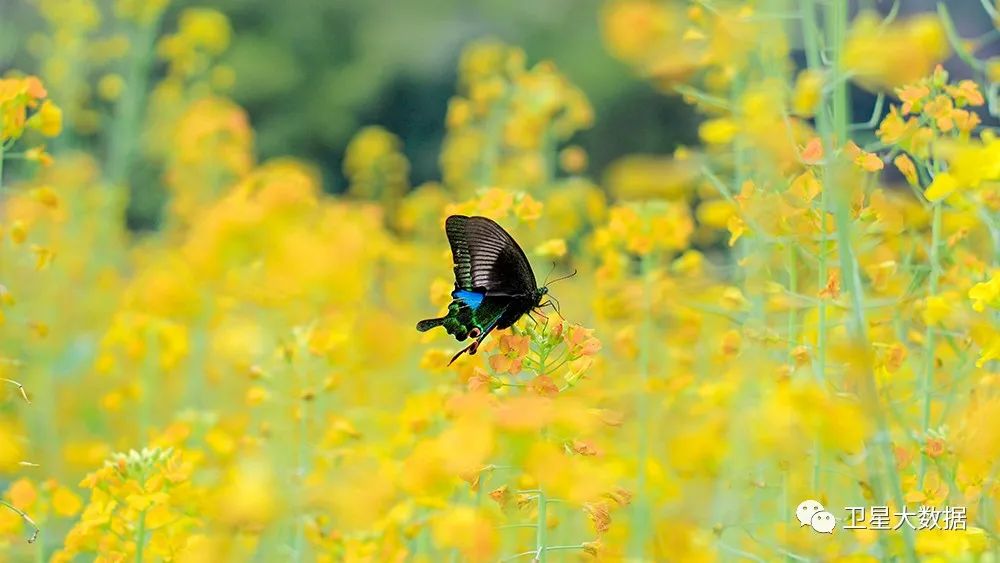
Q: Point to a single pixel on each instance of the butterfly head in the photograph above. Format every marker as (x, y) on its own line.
(540, 293)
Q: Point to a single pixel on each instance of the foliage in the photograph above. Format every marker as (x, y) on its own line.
(770, 316)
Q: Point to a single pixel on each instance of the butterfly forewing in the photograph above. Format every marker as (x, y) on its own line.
(487, 258)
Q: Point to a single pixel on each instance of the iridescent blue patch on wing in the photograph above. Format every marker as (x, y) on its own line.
(470, 298)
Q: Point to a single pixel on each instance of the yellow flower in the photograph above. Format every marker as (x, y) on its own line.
(737, 228)
(22, 494)
(986, 293)
(206, 28)
(65, 502)
(990, 350)
(943, 185)
(553, 248)
(248, 495)
(38, 154)
(716, 213)
(906, 168)
(884, 56)
(18, 232)
(528, 208)
(466, 529)
(47, 120)
(256, 395)
(110, 86)
(633, 28)
(573, 159)
(869, 162)
(936, 309)
(719, 131)
(807, 93)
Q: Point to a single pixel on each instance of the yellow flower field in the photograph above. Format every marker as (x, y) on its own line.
(799, 307)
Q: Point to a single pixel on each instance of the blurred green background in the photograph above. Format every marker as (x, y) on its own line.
(312, 72)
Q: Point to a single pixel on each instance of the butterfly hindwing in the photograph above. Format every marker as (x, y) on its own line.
(487, 258)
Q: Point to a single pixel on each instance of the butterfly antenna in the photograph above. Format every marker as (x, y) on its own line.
(566, 277)
(552, 269)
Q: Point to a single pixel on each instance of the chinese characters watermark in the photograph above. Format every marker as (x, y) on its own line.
(811, 513)
(922, 518)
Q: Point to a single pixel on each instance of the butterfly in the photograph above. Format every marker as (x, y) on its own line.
(494, 283)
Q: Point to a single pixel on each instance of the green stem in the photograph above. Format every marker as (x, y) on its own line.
(124, 137)
(640, 511)
(148, 374)
(540, 529)
(301, 470)
(140, 537)
(956, 41)
(930, 333)
(810, 31)
(850, 277)
(27, 520)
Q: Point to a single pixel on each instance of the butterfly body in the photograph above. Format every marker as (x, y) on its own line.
(494, 283)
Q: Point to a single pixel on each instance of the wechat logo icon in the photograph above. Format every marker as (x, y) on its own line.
(811, 513)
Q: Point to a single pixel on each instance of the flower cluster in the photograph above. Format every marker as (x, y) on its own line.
(140, 502)
(506, 124)
(798, 307)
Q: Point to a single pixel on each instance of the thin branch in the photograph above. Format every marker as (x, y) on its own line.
(956, 40)
(990, 9)
(24, 516)
(19, 388)
(874, 119)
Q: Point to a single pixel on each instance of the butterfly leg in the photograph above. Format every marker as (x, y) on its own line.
(555, 306)
(540, 313)
(474, 347)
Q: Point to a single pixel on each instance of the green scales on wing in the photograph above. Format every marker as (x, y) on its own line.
(494, 284)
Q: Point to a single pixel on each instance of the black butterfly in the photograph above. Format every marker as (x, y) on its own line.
(494, 284)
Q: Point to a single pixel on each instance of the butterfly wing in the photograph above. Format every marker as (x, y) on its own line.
(487, 259)
(494, 283)
(469, 314)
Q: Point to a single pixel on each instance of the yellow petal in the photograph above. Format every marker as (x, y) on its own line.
(942, 186)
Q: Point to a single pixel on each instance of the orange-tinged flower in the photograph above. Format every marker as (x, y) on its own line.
(813, 151)
(38, 154)
(468, 530)
(581, 341)
(22, 494)
(634, 27)
(934, 447)
(903, 457)
(599, 514)
(544, 386)
(832, 288)
(966, 92)
(906, 168)
(585, 447)
(512, 351)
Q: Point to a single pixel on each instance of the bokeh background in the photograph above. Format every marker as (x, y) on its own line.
(310, 74)
(221, 220)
